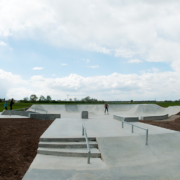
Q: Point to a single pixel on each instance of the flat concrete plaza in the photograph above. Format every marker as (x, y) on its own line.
(124, 155)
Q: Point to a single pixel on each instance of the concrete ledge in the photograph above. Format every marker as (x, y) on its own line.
(127, 119)
(13, 112)
(84, 115)
(44, 116)
(151, 118)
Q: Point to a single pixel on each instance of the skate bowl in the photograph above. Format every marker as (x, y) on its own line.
(138, 110)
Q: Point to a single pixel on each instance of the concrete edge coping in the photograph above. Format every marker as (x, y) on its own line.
(126, 118)
(156, 117)
(14, 112)
(44, 116)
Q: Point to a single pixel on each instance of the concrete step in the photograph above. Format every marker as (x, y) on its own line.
(69, 152)
(68, 144)
(67, 139)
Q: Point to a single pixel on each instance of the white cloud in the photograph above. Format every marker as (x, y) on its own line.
(8, 81)
(37, 68)
(131, 86)
(135, 61)
(19, 93)
(147, 29)
(2, 43)
(97, 48)
(64, 64)
(94, 67)
(148, 85)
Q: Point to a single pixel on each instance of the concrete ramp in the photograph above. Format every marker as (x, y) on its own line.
(119, 109)
(51, 109)
(72, 108)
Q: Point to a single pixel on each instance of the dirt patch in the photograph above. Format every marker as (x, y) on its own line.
(173, 123)
(178, 113)
(19, 140)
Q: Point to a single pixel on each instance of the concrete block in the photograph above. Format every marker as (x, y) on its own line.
(84, 115)
(127, 119)
(44, 116)
(13, 112)
(151, 118)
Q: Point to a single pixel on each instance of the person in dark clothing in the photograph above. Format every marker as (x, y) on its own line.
(11, 103)
(106, 108)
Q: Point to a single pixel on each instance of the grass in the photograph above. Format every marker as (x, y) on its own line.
(23, 105)
(15, 106)
(167, 104)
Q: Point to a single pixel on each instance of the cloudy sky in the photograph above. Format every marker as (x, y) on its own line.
(105, 49)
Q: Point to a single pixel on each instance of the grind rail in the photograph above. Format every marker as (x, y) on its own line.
(87, 142)
(137, 127)
(23, 109)
(38, 109)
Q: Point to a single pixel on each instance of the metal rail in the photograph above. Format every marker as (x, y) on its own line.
(26, 108)
(38, 109)
(87, 142)
(137, 127)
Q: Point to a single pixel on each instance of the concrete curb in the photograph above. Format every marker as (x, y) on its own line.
(151, 118)
(127, 119)
(14, 112)
(44, 116)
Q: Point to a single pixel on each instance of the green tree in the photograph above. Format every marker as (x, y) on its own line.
(48, 98)
(42, 98)
(26, 99)
(87, 99)
(33, 97)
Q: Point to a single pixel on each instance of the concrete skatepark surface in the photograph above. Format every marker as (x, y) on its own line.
(124, 155)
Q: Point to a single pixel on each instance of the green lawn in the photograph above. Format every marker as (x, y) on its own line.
(167, 104)
(15, 106)
(24, 105)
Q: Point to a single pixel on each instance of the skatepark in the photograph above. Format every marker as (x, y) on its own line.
(116, 152)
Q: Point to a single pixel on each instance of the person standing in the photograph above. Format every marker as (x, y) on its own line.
(11, 103)
(5, 105)
(106, 108)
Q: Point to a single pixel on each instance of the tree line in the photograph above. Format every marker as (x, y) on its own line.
(47, 99)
